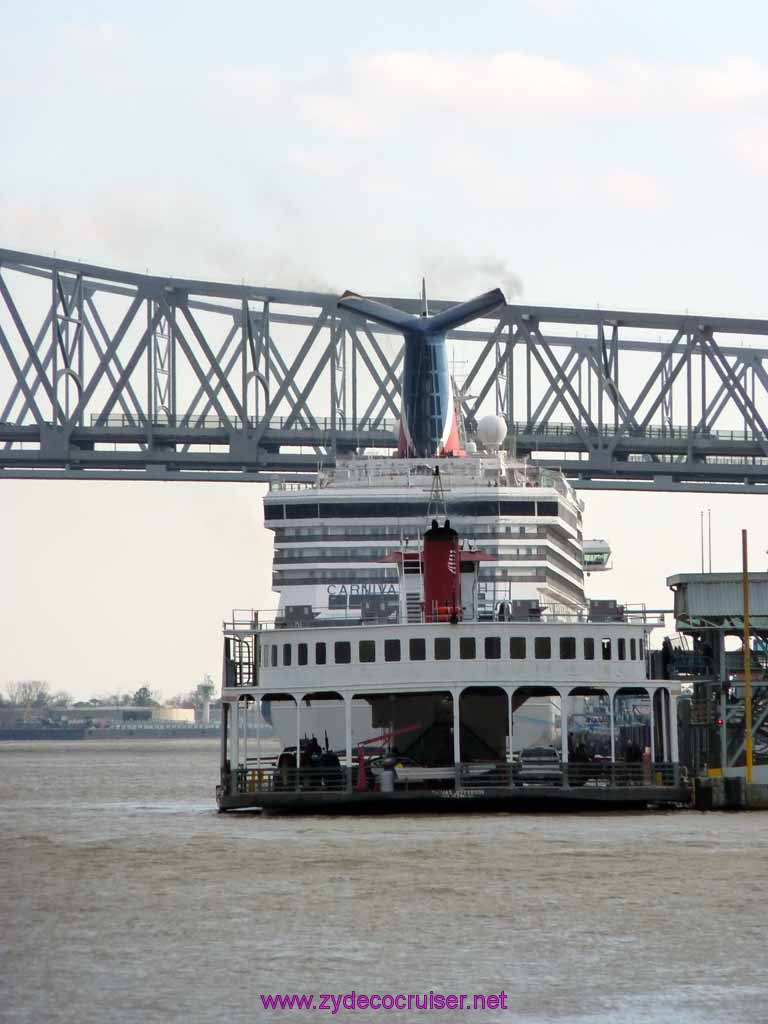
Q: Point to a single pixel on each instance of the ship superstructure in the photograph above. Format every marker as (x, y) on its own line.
(332, 540)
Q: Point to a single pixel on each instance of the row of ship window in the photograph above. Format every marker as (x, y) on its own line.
(355, 510)
(444, 648)
(363, 553)
(483, 531)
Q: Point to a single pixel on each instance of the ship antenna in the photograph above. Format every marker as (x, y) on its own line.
(425, 305)
(437, 504)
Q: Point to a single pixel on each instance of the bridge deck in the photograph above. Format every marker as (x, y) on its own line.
(109, 374)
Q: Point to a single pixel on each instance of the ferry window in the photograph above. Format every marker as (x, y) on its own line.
(493, 647)
(622, 649)
(517, 648)
(589, 648)
(542, 647)
(605, 646)
(273, 511)
(367, 651)
(391, 650)
(286, 654)
(302, 654)
(642, 652)
(567, 648)
(342, 652)
(417, 649)
(320, 654)
(467, 648)
(442, 648)
(547, 508)
(633, 649)
(337, 600)
(274, 655)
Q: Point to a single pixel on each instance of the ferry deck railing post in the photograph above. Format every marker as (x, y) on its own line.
(652, 725)
(665, 718)
(674, 749)
(564, 735)
(235, 733)
(456, 699)
(509, 733)
(348, 737)
(612, 722)
(258, 741)
(245, 703)
(298, 742)
(224, 741)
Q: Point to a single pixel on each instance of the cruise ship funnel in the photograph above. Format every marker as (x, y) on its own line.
(428, 415)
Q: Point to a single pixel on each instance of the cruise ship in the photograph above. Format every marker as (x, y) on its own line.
(432, 609)
(334, 540)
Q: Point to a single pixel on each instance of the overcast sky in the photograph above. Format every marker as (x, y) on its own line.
(570, 152)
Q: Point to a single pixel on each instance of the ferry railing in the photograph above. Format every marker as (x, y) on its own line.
(485, 776)
(599, 773)
(284, 778)
(252, 621)
(270, 778)
(604, 774)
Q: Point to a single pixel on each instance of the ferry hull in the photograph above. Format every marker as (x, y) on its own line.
(513, 800)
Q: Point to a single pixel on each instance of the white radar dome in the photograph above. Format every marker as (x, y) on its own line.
(491, 431)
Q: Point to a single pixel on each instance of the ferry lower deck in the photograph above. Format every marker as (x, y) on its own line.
(465, 796)
(447, 716)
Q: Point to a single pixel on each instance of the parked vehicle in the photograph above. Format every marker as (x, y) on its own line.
(539, 766)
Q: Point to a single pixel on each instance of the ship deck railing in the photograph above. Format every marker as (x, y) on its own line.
(270, 777)
(248, 620)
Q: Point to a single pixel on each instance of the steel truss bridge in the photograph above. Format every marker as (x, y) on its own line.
(112, 375)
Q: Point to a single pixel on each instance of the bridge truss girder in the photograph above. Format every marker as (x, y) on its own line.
(108, 374)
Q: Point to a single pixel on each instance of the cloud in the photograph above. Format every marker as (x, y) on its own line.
(631, 189)
(376, 162)
(556, 8)
(749, 145)
(253, 84)
(95, 37)
(373, 94)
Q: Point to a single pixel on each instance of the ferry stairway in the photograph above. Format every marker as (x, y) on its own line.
(413, 607)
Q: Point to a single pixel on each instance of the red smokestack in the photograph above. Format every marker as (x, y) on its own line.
(442, 587)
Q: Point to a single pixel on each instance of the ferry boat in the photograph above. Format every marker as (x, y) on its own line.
(433, 639)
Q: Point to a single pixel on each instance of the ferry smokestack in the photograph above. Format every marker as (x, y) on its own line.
(429, 423)
(442, 567)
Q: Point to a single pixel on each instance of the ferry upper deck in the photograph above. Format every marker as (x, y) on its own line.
(445, 700)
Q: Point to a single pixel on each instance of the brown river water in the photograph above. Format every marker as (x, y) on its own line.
(125, 898)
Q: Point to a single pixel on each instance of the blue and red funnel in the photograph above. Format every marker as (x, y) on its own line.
(428, 416)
